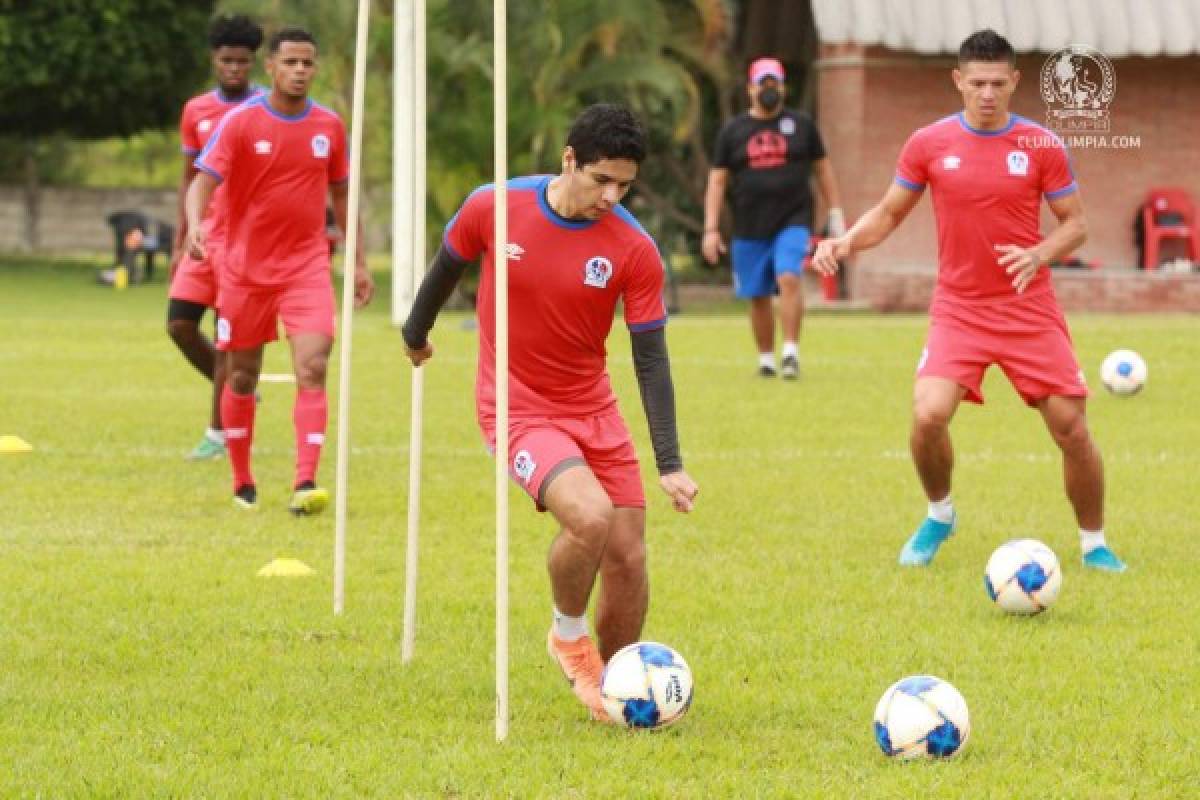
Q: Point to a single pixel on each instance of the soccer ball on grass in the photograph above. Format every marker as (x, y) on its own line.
(921, 717)
(646, 685)
(1123, 372)
(1023, 576)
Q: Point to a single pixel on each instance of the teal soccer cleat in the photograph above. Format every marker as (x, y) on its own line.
(920, 549)
(1102, 558)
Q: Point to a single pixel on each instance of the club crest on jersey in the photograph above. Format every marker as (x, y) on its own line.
(597, 271)
(204, 125)
(224, 330)
(787, 126)
(320, 146)
(524, 465)
(951, 162)
(262, 147)
(1018, 163)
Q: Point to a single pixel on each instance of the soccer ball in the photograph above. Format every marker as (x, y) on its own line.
(921, 717)
(1022, 576)
(1123, 372)
(646, 685)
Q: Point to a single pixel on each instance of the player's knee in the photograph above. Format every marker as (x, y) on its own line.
(930, 418)
(592, 523)
(241, 380)
(310, 371)
(1072, 434)
(628, 560)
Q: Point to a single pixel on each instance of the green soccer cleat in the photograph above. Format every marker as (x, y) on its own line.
(308, 500)
(207, 450)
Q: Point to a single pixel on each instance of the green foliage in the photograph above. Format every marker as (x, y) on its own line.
(140, 656)
(98, 68)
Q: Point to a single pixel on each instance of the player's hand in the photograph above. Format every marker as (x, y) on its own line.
(1021, 263)
(364, 286)
(711, 246)
(681, 489)
(195, 243)
(830, 253)
(419, 357)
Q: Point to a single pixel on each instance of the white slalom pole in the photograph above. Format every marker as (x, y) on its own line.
(402, 159)
(348, 266)
(500, 250)
(415, 227)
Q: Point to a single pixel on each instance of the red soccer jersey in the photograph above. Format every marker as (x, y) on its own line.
(198, 122)
(565, 278)
(276, 171)
(987, 191)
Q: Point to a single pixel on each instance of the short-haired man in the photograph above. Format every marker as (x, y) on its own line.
(772, 153)
(988, 170)
(573, 253)
(279, 157)
(233, 41)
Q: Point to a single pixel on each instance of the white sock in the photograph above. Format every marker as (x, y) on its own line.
(791, 349)
(766, 360)
(1090, 540)
(942, 511)
(214, 435)
(569, 629)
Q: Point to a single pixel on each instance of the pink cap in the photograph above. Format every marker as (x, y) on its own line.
(764, 68)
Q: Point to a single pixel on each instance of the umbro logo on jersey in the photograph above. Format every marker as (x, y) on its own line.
(597, 271)
(204, 125)
(262, 147)
(951, 162)
(514, 251)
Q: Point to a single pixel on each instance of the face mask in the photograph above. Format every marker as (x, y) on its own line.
(770, 98)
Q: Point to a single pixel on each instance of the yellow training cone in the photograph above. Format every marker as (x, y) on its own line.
(14, 444)
(286, 568)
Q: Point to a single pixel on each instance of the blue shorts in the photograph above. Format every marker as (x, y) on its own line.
(756, 262)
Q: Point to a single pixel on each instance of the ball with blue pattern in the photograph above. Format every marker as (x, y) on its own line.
(1123, 372)
(1023, 577)
(921, 716)
(646, 685)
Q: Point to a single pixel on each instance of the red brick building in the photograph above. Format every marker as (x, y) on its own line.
(883, 70)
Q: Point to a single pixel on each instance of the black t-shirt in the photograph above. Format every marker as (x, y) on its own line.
(769, 160)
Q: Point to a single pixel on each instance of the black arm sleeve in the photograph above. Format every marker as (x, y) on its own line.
(653, 369)
(445, 271)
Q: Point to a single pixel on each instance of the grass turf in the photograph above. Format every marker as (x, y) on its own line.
(140, 655)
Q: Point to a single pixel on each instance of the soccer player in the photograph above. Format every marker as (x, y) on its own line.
(772, 152)
(988, 170)
(233, 41)
(278, 157)
(573, 252)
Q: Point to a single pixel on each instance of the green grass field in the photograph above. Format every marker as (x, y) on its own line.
(141, 656)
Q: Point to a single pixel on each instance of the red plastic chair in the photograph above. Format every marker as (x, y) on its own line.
(1168, 213)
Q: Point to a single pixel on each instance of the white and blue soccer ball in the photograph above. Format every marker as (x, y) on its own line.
(1023, 576)
(1123, 372)
(921, 717)
(646, 685)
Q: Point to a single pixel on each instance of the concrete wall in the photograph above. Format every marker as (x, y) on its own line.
(871, 99)
(74, 219)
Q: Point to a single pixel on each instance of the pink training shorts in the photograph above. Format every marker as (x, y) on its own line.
(542, 447)
(247, 317)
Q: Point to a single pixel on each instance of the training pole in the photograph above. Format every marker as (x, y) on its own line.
(410, 85)
(500, 251)
(348, 268)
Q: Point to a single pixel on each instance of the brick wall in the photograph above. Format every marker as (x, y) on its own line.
(1116, 290)
(871, 99)
(73, 219)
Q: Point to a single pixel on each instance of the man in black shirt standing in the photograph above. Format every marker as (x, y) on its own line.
(772, 153)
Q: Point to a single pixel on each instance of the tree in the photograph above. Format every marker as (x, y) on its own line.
(91, 69)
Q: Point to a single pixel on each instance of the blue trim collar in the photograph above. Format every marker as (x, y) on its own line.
(265, 101)
(553, 216)
(962, 120)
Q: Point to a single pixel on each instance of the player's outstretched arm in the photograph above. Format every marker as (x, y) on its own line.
(181, 227)
(871, 229)
(198, 195)
(445, 271)
(653, 369)
(364, 282)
